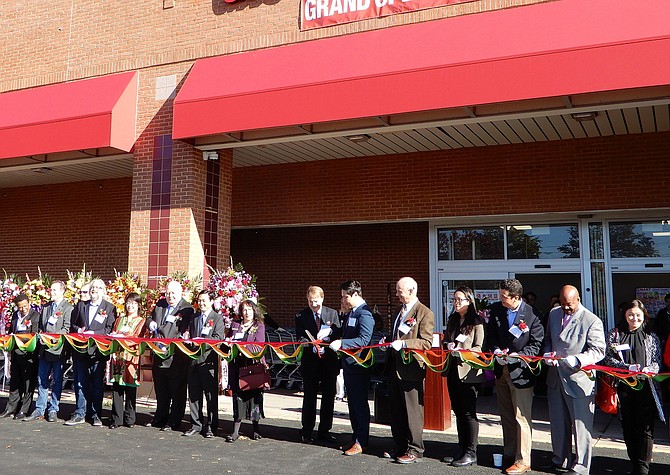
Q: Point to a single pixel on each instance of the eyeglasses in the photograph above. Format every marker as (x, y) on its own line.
(81, 292)
(454, 300)
(507, 297)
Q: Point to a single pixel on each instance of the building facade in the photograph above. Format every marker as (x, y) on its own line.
(462, 143)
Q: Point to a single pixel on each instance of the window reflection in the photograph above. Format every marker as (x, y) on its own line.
(641, 239)
(547, 241)
(469, 244)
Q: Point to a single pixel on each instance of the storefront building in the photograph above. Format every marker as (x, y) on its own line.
(465, 142)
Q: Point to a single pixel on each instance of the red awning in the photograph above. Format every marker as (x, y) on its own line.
(544, 50)
(78, 115)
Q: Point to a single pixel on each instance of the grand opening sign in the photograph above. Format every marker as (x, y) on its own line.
(320, 13)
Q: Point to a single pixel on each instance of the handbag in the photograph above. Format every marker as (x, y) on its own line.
(606, 396)
(254, 376)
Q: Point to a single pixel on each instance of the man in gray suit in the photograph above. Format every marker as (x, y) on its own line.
(575, 338)
(55, 319)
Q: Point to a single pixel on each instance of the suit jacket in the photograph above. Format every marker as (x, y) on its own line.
(216, 331)
(582, 337)
(419, 337)
(101, 324)
(183, 313)
(356, 332)
(528, 344)
(34, 318)
(60, 324)
(474, 341)
(310, 361)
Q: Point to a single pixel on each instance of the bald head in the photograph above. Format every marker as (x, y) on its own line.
(406, 289)
(569, 298)
(173, 292)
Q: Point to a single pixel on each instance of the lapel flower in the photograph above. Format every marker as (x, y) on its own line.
(27, 323)
(210, 322)
(411, 321)
(103, 313)
(522, 326)
(58, 313)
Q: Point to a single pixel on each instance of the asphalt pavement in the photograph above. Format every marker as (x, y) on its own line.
(53, 448)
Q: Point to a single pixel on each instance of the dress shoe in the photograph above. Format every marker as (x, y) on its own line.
(75, 420)
(129, 426)
(189, 433)
(390, 454)
(7, 414)
(20, 415)
(256, 436)
(355, 449)
(34, 417)
(113, 426)
(552, 467)
(457, 455)
(571, 472)
(517, 469)
(409, 457)
(149, 424)
(231, 438)
(165, 428)
(209, 434)
(96, 422)
(306, 440)
(469, 458)
(327, 437)
(52, 416)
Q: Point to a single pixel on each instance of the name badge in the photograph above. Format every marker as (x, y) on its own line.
(171, 318)
(100, 319)
(238, 336)
(404, 328)
(52, 320)
(623, 347)
(124, 329)
(21, 327)
(352, 322)
(206, 330)
(516, 331)
(461, 338)
(324, 326)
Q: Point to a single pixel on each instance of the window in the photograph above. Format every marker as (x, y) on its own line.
(640, 239)
(471, 244)
(545, 241)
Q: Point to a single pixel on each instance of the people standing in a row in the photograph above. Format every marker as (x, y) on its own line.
(23, 364)
(55, 319)
(575, 338)
(356, 332)
(632, 346)
(514, 330)
(464, 331)
(170, 319)
(93, 317)
(319, 367)
(413, 329)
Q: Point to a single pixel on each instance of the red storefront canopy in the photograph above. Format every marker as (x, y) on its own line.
(87, 114)
(552, 49)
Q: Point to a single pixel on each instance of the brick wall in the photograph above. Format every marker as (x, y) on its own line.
(64, 226)
(620, 172)
(59, 40)
(288, 260)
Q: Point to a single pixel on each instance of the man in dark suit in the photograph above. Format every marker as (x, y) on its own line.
(413, 329)
(23, 368)
(170, 319)
(55, 319)
(318, 367)
(575, 338)
(513, 330)
(95, 317)
(356, 332)
(203, 372)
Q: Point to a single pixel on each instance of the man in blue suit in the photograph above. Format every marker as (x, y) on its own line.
(356, 332)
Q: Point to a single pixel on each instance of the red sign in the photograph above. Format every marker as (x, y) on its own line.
(320, 13)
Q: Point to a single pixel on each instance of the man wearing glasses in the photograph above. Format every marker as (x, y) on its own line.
(514, 330)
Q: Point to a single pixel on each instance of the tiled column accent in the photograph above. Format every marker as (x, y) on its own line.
(159, 222)
(212, 213)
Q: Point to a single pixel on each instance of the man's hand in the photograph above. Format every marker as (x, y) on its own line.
(324, 333)
(572, 361)
(336, 345)
(548, 360)
(397, 345)
(153, 326)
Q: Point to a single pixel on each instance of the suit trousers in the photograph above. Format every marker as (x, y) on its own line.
(566, 413)
(406, 404)
(23, 372)
(203, 380)
(357, 383)
(170, 388)
(638, 416)
(123, 412)
(515, 406)
(314, 376)
(55, 368)
(463, 398)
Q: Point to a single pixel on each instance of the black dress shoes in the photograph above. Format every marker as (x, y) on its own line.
(459, 453)
(20, 415)
(52, 416)
(7, 414)
(113, 426)
(190, 433)
(552, 467)
(209, 434)
(306, 440)
(469, 458)
(327, 437)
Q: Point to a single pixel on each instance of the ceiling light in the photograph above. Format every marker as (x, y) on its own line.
(42, 170)
(584, 116)
(661, 233)
(358, 137)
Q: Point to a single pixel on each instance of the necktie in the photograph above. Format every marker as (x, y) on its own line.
(399, 321)
(317, 320)
(566, 319)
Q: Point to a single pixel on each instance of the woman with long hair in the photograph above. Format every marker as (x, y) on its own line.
(631, 346)
(465, 331)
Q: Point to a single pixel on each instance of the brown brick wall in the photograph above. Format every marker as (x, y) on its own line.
(59, 40)
(64, 226)
(621, 172)
(288, 260)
